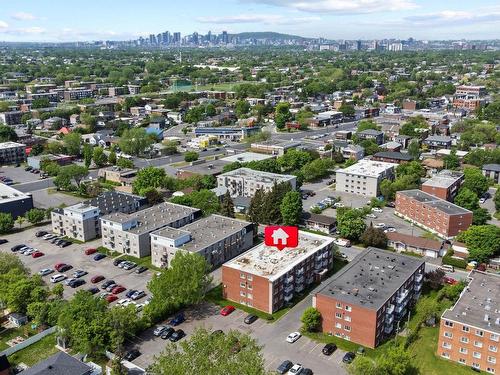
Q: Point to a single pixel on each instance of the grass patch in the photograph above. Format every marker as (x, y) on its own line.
(180, 164)
(35, 353)
(348, 346)
(430, 236)
(496, 215)
(11, 333)
(108, 252)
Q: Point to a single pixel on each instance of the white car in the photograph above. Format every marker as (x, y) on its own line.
(29, 251)
(342, 242)
(390, 230)
(56, 278)
(68, 281)
(296, 369)
(371, 216)
(123, 302)
(338, 204)
(379, 226)
(45, 271)
(482, 200)
(292, 337)
(376, 209)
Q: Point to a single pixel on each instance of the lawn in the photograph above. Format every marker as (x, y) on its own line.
(10, 333)
(36, 352)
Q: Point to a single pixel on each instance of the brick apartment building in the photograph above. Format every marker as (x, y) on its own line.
(364, 302)
(266, 278)
(469, 332)
(434, 214)
(444, 185)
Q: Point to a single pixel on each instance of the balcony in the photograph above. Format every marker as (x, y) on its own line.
(289, 279)
(289, 289)
(388, 329)
(389, 310)
(417, 287)
(402, 296)
(300, 271)
(399, 309)
(299, 288)
(419, 278)
(288, 297)
(389, 319)
(299, 280)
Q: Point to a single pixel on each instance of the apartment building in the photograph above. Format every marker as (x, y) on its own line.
(226, 133)
(364, 177)
(492, 171)
(11, 117)
(444, 185)
(375, 135)
(392, 157)
(364, 301)
(479, 91)
(244, 182)
(431, 213)
(12, 153)
(469, 332)
(436, 142)
(130, 233)
(81, 221)
(266, 279)
(77, 94)
(14, 202)
(216, 238)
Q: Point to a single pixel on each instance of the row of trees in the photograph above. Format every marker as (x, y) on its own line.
(474, 186)
(33, 216)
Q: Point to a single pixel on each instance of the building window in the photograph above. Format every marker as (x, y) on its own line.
(249, 278)
(479, 333)
(338, 315)
(448, 324)
(494, 337)
(339, 305)
(249, 296)
(338, 325)
(462, 361)
(464, 339)
(347, 318)
(446, 345)
(348, 308)
(490, 370)
(492, 359)
(445, 355)
(242, 275)
(448, 334)
(242, 285)
(249, 286)
(492, 348)
(463, 350)
(476, 355)
(465, 328)
(476, 365)
(347, 328)
(478, 344)
(243, 294)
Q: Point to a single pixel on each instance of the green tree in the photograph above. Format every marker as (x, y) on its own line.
(242, 107)
(396, 361)
(365, 125)
(480, 216)
(206, 201)
(35, 215)
(232, 353)
(89, 120)
(88, 153)
(72, 142)
(316, 169)
(467, 199)
(112, 158)
(291, 208)
(20, 221)
(40, 103)
(147, 178)
(153, 196)
(190, 156)
(282, 115)
(7, 134)
(99, 157)
(36, 149)
(363, 365)
(6, 222)
(293, 160)
(483, 241)
(347, 110)
(124, 163)
(57, 291)
(227, 206)
(374, 237)
(414, 149)
(311, 319)
(124, 323)
(413, 126)
(451, 161)
(135, 141)
(256, 208)
(350, 223)
(11, 262)
(496, 199)
(272, 203)
(475, 181)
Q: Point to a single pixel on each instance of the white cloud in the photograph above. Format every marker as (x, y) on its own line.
(23, 30)
(24, 16)
(455, 17)
(268, 19)
(3, 25)
(342, 6)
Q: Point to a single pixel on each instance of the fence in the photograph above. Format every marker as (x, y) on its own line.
(28, 341)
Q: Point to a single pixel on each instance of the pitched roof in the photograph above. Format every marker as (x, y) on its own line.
(59, 364)
(419, 242)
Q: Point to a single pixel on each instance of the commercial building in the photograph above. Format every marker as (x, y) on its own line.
(469, 332)
(216, 238)
(117, 174)
(81, 221)
(274, 147)
(444, 185)
(229, 134)
(129, 233)
(431, 213)
(244, 182)
(364, 301)
(14, 202)
(266, 279)
(492, 171)
(12, 153)
(364, 177)
(326, 118)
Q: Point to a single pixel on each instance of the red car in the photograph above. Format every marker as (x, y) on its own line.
(90, 251)
(37, 254)
(227, 310)
(97, 278)
(60, 267)
(111, 298)
(118, 289)
(449, 280)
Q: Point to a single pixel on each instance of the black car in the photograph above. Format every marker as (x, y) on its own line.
(76, 283)
(167, 333)
(141, 269)
(328, 349)
(40, 233)
(65, 244)
(250, 319)
(107, 283)
(391, 204)
(132, 354)
(177, 335)
(17, 247)
(284, 367)
(116, 262)
(348, 357)
(99, 256)
(3, 240)
(306, 371)
(93, 290)
(178, 319)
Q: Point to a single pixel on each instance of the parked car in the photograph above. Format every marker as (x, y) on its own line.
(107, 283)
(40, 233)
(138, 295)
(37, 254)
(482, 200)
(377, 209)
(17, 248)
(124, 302)
(449, 280)
(62, 267)
(159, 330)
(227, 310)
(391, 204)
(118, 289)
(371, 216)
(141, 269)
(389, 230)
(178, 319)
(45, 271)
(328, 349)
(117, 262)
(79, 273)
(379, 226)
(177, 335)
(284, 367)
(111, 298)
(167, 333)
(93, 290)
(76, 283)
(250, 319)
(306, 371)
(132, 354)
(97, 278)
(348, 357)
(129, 265)
(90, 251)
(64, 243)
(111, 287)
(57, 278)
(342, 242)
(292, 337)
(99, 256)
(130, 292)
(296, 369)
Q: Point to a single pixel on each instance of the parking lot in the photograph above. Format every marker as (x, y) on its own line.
(18, 174)
(75, 256)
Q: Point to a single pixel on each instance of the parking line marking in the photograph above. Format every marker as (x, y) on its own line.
(315, 346)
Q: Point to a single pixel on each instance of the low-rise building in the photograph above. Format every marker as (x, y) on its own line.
(435, 142)
(14, 202)
(244, 182)
(431, 213)
(81, 221)
(326, 118)
(444, 185)
(227, 133)
(364, 177)
(216, 238)
(318, 222)
(375, 135)
(273, 147)
(117, 174)
(424, 246)
(130, 233)
(267, 279)
(469, 331)
(11, 117)
(392, 157)
(12, 153)
(78, 94)
(492, 171)
(364, 301)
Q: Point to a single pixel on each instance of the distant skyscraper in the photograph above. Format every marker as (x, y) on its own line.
(358, 45)
(177, 38)
(195, 38)
(159, 39)
(225, 37)
(166, 37)
(152, 39)
(209, 36)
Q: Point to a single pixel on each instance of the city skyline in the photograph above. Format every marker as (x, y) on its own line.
(42, 21)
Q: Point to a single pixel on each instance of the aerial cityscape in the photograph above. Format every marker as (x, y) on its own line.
(250, 187)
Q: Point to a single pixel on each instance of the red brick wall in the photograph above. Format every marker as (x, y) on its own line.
(439, 192)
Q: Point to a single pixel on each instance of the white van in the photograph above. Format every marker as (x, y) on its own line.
(447, 268)
(56, 278)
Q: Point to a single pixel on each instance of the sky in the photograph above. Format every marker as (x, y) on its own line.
(70, 20)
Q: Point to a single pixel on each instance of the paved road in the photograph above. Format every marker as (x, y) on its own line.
(43, 184)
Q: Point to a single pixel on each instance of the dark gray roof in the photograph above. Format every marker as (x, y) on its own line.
(393, 155)
(59, 364)
(371, 278)
(431, 200)
(112, 201)
(318, 218)
(371, 132)
(491, 167)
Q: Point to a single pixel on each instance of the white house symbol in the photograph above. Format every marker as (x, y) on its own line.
(280, 237)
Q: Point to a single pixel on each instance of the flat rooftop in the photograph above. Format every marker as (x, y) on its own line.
(5, 145)
(112, 201)
(247, 173)
(369, 168)
(205, 232)
(8, 194)
(371, 278)
(269, 262)
(211, 167)
(437, 203)
(479, 303)
(444, 179)
(245, 157)
(152, 218)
